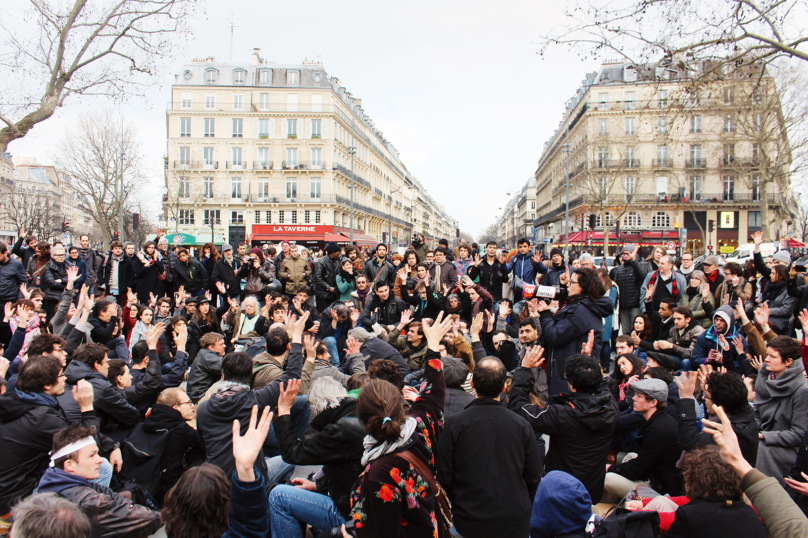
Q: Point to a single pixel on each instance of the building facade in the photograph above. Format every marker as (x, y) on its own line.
(264, 152)
(518, 215)
(658, 159)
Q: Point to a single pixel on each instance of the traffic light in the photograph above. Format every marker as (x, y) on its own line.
(711, 226)
(592, 220)
(116, 236)
(65, 225)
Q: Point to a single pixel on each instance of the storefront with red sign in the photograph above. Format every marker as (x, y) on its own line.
(311, 235)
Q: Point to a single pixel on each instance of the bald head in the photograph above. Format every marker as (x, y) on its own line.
(489, 378)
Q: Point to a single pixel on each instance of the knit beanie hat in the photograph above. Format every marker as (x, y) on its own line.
(332, 247)
(556, 251)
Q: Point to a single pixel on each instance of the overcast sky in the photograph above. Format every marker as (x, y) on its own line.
(456, 86)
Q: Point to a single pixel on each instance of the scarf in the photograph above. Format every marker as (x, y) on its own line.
(436, 283)
(772, 291)
(37, 398)
(346, 276)
(674, 287)
(362, 294)
(711, 278)
(374, 450)
(692, 292)
(113, 279)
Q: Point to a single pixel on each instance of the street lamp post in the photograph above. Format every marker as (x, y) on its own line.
(352, 153)
(567, 203)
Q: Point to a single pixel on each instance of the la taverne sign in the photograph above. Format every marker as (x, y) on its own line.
(296, 229)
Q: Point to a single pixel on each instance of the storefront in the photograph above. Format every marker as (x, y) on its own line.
(308, 235)
(648, 238)
(727, 233)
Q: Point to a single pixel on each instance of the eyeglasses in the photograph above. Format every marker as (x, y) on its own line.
(186, 403)
(58, 255)
(573, 281)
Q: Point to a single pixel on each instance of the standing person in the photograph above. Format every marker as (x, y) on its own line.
(286, 248)
(36, 264)
(210, 255)
(346, 280)
(224, 278)
(487, 435)
(492, 271)
(92, 260)
(449, 252)
(781, 407)
(325, 277)
(190, 274)
(378, 268)
(419, 245)
(129, 250)
(169, 260)
(525, 265)
(443, 274)
(78, 262)
(294, 271)
(608, 323)
(12, 276)
(687, 266)
(629, 278)
(256, 274)
(556, 269)
(118, 277)
(25, 247)
(714, 276)
(652, 261)
(463, 261)
(661, 286)
(147, 272)
(565, 332)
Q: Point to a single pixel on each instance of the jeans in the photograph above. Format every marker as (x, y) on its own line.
(454, 532)
(104, 474)
(300, 420)
(289, 506)
(278, 471)
(627, 319)
(687, 365)
(331, 345)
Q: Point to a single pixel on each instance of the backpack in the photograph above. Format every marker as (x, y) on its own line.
(142, 452)
(622, 523)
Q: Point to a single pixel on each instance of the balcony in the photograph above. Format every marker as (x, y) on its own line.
(631, 163)
(606, 163)
(262, 165)
(236, 166)
(729, 160)
(735, 197)
(696, 163)
(663, 163)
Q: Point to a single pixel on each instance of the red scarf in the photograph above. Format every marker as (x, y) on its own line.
(674, 289)
(713, 277)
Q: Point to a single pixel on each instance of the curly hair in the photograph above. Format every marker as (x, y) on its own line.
(387, 370)
(708, 477)
(198, 506)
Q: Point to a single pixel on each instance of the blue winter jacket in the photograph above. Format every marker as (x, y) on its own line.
(562, 506)
(525, 268)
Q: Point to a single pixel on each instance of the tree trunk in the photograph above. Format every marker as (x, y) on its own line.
(9, 134)
(764, 208)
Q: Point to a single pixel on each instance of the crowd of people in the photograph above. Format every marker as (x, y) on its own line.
(444, 392)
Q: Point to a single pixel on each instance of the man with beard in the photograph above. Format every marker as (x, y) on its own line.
(224, 274)
(525, 265)
(92, 260)
(556, 269)
(379, 264)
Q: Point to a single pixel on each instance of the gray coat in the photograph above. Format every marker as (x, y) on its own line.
(781, 310)
(781, 411)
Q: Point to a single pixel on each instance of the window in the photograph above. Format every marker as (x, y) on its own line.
(187, 101)
(315, 187)
(758, 122)
(207, 154)
(207, 187)
(316, 216)
(603, 187)
(185, 155)
(307, 217)
(756, 154)
(294, 217)
(211, 75)
(236, 156)
(661, 220)
(603, 156)
(266, 76)
(695, 123)
(631, 185)
(263, 157)
(316, 128)
(238, 76)
(212, 215)
(693, 100)
(729, 154)
(238, 102)
(291, 187)
(238, 127)
(281, 214)
(268, 217)
(263, 188)
(184, 187)
(533, 205)
(695, 153)
(210, 102)
(237, 217)
(292, 78)
(729, 123)
(631, 100)
(235, 192)
(729, 96)
(756, 187)
(754, 220)
(662, 154)
(263, 101)
(631, 157)
(291, 128)
(662, 98)
(263, 128)
(210, 127)
(631, 126)
(603, 127)
(662, 125)
(598, 221)
(695, 187)
(186, 216)
(291, 157)
(729, 187)
(316, 157)
(633, 219)
(185, 127)
(603, 101)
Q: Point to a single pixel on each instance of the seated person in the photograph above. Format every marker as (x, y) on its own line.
(75, 461)
(413, 345)
(207, 367)
(382, 307)
(678, 344)
(663, 374)
(720, 344)
(625, 344)
(628, 369)
(562, 507)
(658, 439)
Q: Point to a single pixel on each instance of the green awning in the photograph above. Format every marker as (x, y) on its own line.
(181, 239)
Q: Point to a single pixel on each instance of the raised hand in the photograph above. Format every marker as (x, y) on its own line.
(476, 326)
(131, 298)
(72, 275)
(635, 337)
(153, 334)
(705, 290)
(757, 238)
(504, 310)
(248, 447)
(207, 295)
(287, 396)
(649, 292)
(310, 345)
(738, 343)
(477, 260)
(181, 337)
(725, 300)
(83, 395)
(740, 313)
(722, 341)
(355, 315)
(9, 311)
(353, 345)
(762, 316)
(402, 274)
(406, 318)
(564, 278)
(534, 357)
(586, 349)
(221, 287)
(24, 290)
(297, 327)
(687, 384)
(756, 362)
(435, 332)
(804, 322)
(537, 257)
(152, 298)
(24, 314)
(468, 281)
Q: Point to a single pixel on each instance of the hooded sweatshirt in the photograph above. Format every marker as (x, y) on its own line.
(708, 340)
(562, 506)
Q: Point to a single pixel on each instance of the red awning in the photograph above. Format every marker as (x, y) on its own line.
(336, 238)
(793, 243)
(363, 240)
(286, 237)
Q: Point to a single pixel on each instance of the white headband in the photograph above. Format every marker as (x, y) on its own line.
(72, 447)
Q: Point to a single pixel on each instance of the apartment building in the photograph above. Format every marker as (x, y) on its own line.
(659, 159)
(518, 215)
(7, 232)
(263, 152)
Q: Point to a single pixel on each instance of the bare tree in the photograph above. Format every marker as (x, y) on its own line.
(181, 198)
(490, 233)
(38, 213)
(54, 50)
(91, 154)
(728, 33)
(801, 222)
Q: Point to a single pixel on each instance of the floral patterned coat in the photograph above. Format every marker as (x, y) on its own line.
(391, 499)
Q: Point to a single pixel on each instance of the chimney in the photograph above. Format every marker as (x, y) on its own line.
(358, 102)
(256, 57)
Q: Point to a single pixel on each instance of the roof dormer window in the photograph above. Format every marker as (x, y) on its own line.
(293, 78)
(266, 76)
(211, 75)
(239, 75)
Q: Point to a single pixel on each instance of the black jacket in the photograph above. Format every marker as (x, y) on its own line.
(109, 403)
(215, 416)
(225, 273)
(325, 276)
(429, 308)
(126, 274)
(337, 446)
(54, 279)
(376, 348)
(142, 393)
(580, 426)
(26, 438)
(192, 275)
(743, 424)
(148, 279)
(24, 253)
(205, 371)
(492, 276)
(372, 268)
(489, 464)
(389, 311)
(100, 332)
(660, 450)
(706, 518)
(12, 275)
(629, 278)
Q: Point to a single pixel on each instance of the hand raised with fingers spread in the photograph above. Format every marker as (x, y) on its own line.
(298, 327)
(72, 275)
(687, 384)
(25, 292)
(24, 314)
(310, 345)
(436, 331)
(181, 337)
(756, 362)
(247, 447)
(9, 311)
(476, 326)
(762, 316)
(153, 334)
(804, 322)
(353, 345)
(534, 357)
(738, 343)
(221, 287)
(287, 396)
(586, 349)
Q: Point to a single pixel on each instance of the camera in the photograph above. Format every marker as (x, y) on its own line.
(350, 528)
(799, 266)
(416, 239)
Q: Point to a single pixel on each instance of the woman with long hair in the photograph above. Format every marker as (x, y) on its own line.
(641, 328)
(626, 367)
(392, 495)
(203, 321)
(209, 258)
(699, 298)
(406, 271)
(608, 322)
(145, 316)
(781, 305)
(346, 280)
(38, 263)
(148, 268)
(568, 329)
(653, 259)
